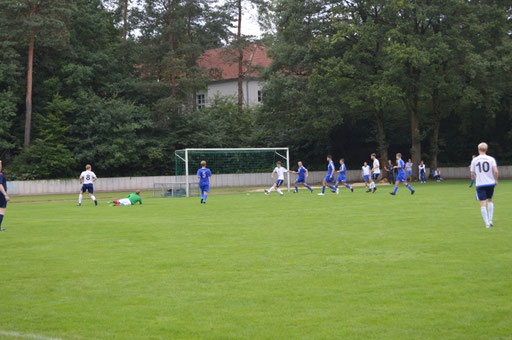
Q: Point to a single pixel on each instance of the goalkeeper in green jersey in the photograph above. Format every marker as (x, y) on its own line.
(131, 199)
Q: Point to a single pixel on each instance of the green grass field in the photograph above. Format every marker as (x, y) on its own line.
(352, 266)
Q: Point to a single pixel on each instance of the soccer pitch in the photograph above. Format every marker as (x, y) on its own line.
(353, 265)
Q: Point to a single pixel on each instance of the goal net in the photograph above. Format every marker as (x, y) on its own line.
(228, 161)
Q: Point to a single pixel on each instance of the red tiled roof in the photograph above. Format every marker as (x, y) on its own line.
(222, 63)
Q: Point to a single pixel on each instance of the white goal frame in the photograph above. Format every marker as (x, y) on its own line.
(186, 151)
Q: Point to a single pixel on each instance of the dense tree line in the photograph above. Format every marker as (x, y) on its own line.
(113, 83)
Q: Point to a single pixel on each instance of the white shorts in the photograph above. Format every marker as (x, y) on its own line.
(124, 201)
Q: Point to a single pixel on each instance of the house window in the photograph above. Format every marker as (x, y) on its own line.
(259, 96)
(201, 101)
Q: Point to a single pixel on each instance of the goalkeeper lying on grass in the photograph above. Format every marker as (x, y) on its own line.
(131, 199)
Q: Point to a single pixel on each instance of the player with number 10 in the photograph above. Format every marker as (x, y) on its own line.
(484, 171)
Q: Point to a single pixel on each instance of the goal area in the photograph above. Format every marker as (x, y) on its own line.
(227, 161)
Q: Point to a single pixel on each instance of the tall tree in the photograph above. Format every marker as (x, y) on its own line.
(355, 61)
(125, 19)
(408, 61)
(41, 22)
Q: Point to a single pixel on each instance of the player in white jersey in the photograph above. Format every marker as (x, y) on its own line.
(484, 171)
(280, 171)
(366, 173)
(375, 173)
(87, 178)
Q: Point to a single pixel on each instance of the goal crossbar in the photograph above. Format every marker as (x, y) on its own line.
(186, 152)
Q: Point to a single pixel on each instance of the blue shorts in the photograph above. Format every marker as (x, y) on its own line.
(409, 172)
(484, 193)
(300, 180)
(279, 182)
(328, 179)
(88, 187)
(204, 187)
(401, 178)
(341, 179)
(366, 178)
(3, 201)
(375, 176)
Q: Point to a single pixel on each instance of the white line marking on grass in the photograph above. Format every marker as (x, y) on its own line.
(27, 336)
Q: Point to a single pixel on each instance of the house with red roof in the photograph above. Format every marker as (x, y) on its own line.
(221, 65)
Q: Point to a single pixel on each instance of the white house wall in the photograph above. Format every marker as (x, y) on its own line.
(230, 88)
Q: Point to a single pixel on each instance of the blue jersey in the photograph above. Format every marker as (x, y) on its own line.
(3, 181)
(204, 176)
(302, 172)
(401, 163)
(343, 169)
(330, 168)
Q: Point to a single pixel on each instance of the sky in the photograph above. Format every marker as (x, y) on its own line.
(250, 24)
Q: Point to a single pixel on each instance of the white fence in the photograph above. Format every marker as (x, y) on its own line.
(116, 184)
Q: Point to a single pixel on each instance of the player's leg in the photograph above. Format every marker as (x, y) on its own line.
(80, 196)
(205, 193)
(490, 211)
(307, 186)
(278, 184)
(296, 188)
(90, 189)
(396, 187)
(348, 186)
(332, 187)
(2, 213)
(490, 204)
(409, 186)
(335, 189)
(324, 184)
(482, 197)
(272, 188)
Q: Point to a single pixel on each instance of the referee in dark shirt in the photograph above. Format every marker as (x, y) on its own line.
(4, 198)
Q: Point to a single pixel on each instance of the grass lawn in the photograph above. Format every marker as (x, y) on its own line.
(353, 265)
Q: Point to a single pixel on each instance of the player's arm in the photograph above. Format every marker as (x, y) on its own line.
(94, 178)
(495, 170)
(81, 179)
(2, 190)
(307, 174)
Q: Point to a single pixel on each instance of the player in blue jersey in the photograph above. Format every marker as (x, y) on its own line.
(4, 198)
(330, 176)
(400, 177)
(342, 177)
(303, 175)
(204, 175)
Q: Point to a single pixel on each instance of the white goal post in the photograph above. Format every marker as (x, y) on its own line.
(228, 161)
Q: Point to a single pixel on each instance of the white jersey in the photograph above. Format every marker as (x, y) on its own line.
(280, 172)
(421, 167)
(366, 170)
(87, 176)
(376, 166)
(483, 167)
